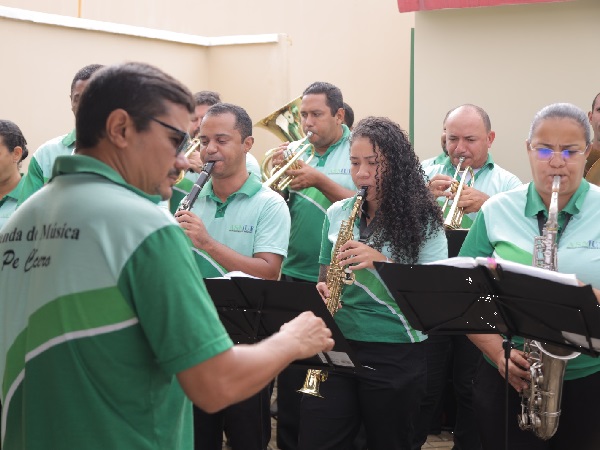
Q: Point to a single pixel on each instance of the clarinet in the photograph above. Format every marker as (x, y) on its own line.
(189, 200)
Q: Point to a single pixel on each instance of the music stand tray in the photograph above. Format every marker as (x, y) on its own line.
(252, 309)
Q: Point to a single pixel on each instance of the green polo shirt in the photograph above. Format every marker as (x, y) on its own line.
(42, 161)
(308, 207)
(370, 313)
(439, 159)
(181, 189)
(8, 203)
(507, 225)
(252, 220)
(95, 322)
(489, 179)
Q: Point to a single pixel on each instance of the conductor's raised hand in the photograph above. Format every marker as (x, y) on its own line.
(308, 335)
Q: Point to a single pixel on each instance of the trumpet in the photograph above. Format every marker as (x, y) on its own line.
(192, 146)
(277, 179)
(455, 214)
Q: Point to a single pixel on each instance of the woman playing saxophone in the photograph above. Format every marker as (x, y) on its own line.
(399, 221)
(507, 225)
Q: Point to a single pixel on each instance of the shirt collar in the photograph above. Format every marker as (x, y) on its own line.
(16, 192)
(69, 139)
(68, 165)
(534, 203)
(250, 187)
(333, 147)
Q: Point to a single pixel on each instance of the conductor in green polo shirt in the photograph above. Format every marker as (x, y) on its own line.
(108, 331)
(236, 224)
(558, 145)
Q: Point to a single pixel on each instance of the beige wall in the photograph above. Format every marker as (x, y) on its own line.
(363, 47)
(510, 60)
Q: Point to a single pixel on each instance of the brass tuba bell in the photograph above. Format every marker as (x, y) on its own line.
(285, 123)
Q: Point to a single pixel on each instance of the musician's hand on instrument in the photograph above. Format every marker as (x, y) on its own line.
(194, 228)
(439, 184)
(518, 369)
(309, 333)
(304, 177)
(471, 199)
(323, 290)
(277, 158)
(356, 255)
(195, 161)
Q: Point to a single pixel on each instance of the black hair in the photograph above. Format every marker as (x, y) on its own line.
(207, 98)
(479, 110)
(138, 88)
(85, 73)
(12, 136)
(408, 214)
(243, 123)
(348, 115)
(333, 94)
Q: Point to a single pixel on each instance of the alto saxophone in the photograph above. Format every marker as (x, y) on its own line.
(540, 402)
(337, 277)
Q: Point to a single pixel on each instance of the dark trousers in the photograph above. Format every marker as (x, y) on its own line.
(247, 425)
(463, 356)
(385, 400)
(578, 427)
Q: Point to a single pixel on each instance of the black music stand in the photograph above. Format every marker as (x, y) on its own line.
(252, 309)
(488, 300)
(455, 240)
(492, 301)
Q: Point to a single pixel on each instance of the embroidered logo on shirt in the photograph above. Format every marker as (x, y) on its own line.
(594, 245)
(242, 228)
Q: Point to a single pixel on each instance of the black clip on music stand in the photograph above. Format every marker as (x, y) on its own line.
(252, 309)
(438, 299)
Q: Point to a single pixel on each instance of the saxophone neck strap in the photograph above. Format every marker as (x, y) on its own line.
(365, 230)
(541, 218)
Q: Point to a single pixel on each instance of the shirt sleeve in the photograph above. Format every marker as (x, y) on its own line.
(477, 242)
(326, 244)
(176, 313)
(273, 228)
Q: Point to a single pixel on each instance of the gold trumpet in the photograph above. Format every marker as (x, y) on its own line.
(277, 179)
(192, 146)
(455, 214)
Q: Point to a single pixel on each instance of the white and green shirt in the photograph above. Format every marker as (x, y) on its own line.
(42, 161)
(95, 320)
(507, 225)
(490, 179)
(252, 220)
(181, 189)
(370, 313)
(8, 203)
(308, 207)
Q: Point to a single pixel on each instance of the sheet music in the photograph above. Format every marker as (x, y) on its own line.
(467, 262)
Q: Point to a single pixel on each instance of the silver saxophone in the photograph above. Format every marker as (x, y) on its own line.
(189, 200)
(540, 402)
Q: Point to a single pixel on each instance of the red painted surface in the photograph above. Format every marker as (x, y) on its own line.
(428, 5)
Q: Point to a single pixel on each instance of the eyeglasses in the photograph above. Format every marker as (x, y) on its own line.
(183, 136)
(568, 156)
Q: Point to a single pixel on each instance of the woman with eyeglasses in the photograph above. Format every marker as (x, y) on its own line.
(557, 146)
(13, 150)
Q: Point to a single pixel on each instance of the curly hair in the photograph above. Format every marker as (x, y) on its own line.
(408, 214)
